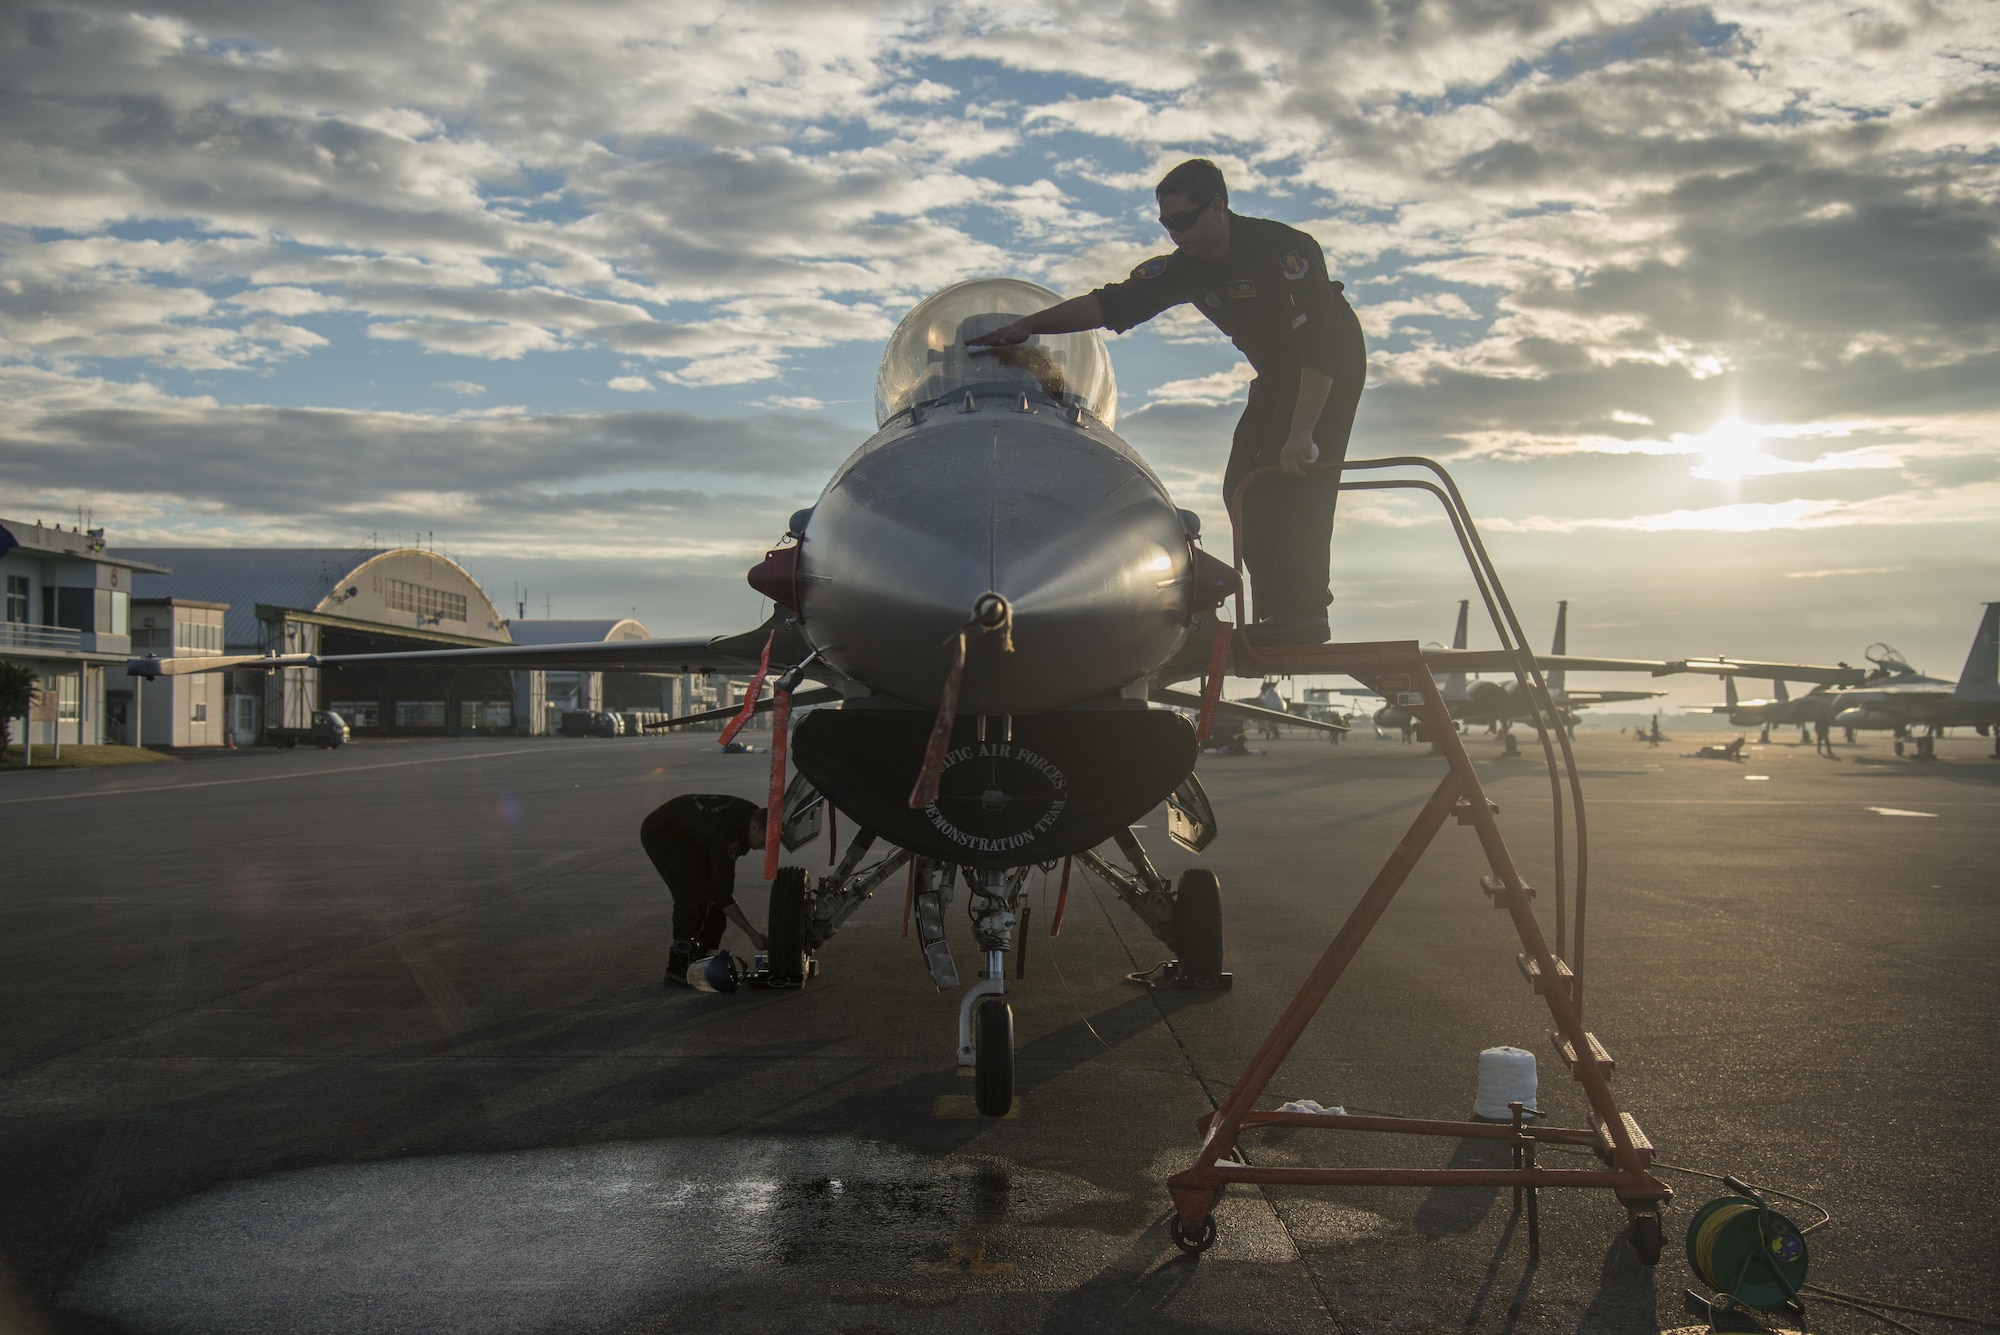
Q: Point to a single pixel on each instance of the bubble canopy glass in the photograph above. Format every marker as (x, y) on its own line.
(927, 358)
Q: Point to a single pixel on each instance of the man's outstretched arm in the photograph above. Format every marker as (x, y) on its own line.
(735, 915)
(1067, 317)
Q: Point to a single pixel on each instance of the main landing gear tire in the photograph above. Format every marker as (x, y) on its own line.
(786, 928)
(1647, 1238)
(993, 1061)
(1198, 926)
(1196, 1240)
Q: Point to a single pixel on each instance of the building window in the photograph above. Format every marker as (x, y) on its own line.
(66, 693)
(198, 637)
(419, 713)
(114, 611)
(69, 607)
(359, 713)
(17, 598)
(428, 603)
(198, 712)
(485, 713)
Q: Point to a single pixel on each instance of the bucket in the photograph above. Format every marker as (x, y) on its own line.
(1506, 1075)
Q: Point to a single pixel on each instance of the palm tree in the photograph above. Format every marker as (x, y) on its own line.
(18, 688)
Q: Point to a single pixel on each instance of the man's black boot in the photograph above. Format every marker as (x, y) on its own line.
(679, 960)
(1280, 631)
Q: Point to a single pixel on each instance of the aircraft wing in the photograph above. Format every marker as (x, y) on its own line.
(1188, 700)
(1840, 675)
(721, 653)
(1582, 698)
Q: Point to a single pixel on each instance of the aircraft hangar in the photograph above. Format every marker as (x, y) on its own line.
(331, 601)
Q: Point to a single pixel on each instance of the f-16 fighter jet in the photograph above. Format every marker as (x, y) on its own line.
(994, 588)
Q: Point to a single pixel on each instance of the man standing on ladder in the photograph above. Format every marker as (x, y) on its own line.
(1265, 285)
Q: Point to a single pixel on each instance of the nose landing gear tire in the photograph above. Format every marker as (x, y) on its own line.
(1196, 1240)
(1198, 926)
(993, 1063)
(786, 928)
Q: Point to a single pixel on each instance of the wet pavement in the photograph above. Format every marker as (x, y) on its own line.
(375, 1041)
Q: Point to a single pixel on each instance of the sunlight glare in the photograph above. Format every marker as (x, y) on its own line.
(1731, 450)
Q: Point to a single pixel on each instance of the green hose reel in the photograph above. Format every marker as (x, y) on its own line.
(1748, 1252)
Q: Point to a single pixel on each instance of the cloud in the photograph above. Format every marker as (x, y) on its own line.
(1221, 387)
(630, 384)
(488, 474)
(1979, 504)
(1580, 237)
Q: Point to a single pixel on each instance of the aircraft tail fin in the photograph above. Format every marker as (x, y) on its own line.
(1981, 677)
(1454, 683)
(1778, 690)
(1558, 679)
(1729, 696)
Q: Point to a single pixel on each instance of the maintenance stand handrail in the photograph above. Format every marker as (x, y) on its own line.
(1401, 671)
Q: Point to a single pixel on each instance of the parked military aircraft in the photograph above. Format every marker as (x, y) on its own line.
(1897, 698)
(1760, 714)
(993, 587)
(1501, 704)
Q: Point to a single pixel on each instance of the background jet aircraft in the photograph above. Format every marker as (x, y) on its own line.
(1760, 714)
(1500, 704)
(991, 587)
(1897, 698)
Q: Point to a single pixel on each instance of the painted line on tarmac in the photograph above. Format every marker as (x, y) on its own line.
(1743, 802)
(266, 778)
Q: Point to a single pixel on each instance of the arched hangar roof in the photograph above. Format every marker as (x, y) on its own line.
(576, 632)
(402, 588)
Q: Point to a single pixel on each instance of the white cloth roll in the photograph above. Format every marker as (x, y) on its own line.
(1505, 1076)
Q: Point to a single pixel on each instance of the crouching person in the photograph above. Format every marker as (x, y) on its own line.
(694, 841)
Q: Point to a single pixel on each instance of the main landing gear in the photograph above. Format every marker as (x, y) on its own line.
(804, 915)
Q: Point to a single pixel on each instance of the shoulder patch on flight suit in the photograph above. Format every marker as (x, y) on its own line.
(1241, 287)
(1293, 266)
(1152, 268)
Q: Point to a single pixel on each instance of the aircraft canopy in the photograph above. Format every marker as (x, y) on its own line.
(927, 358)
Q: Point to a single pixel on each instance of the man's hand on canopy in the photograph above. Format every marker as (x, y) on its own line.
(1005, 336)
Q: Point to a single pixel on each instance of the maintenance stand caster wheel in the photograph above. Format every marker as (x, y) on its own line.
(993, 1057)
(786, 928)
(1194, 1241)
(1647, 1238)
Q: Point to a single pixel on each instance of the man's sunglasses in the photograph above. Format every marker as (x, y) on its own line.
(1186, 218)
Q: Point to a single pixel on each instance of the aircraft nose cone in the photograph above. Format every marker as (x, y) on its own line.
(1056, 519)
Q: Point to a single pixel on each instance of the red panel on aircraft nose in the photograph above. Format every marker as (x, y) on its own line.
(777, 577)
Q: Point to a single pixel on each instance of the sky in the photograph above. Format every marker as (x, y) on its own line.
(1700, 304)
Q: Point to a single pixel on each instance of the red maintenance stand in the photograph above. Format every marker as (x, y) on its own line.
(1401, 672)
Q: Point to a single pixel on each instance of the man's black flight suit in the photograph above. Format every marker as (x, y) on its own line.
(1273, 298)
(694, 841)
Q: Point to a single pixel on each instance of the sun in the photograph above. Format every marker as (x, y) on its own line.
(1731, 450)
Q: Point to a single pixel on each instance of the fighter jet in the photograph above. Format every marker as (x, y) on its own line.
(993, 589)
(1500, 705)
(1897, 698)
(1760, 714)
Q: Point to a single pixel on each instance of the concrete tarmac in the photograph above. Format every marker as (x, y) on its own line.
(375, 1041)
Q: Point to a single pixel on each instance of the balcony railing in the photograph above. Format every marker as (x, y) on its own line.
(19, 635)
